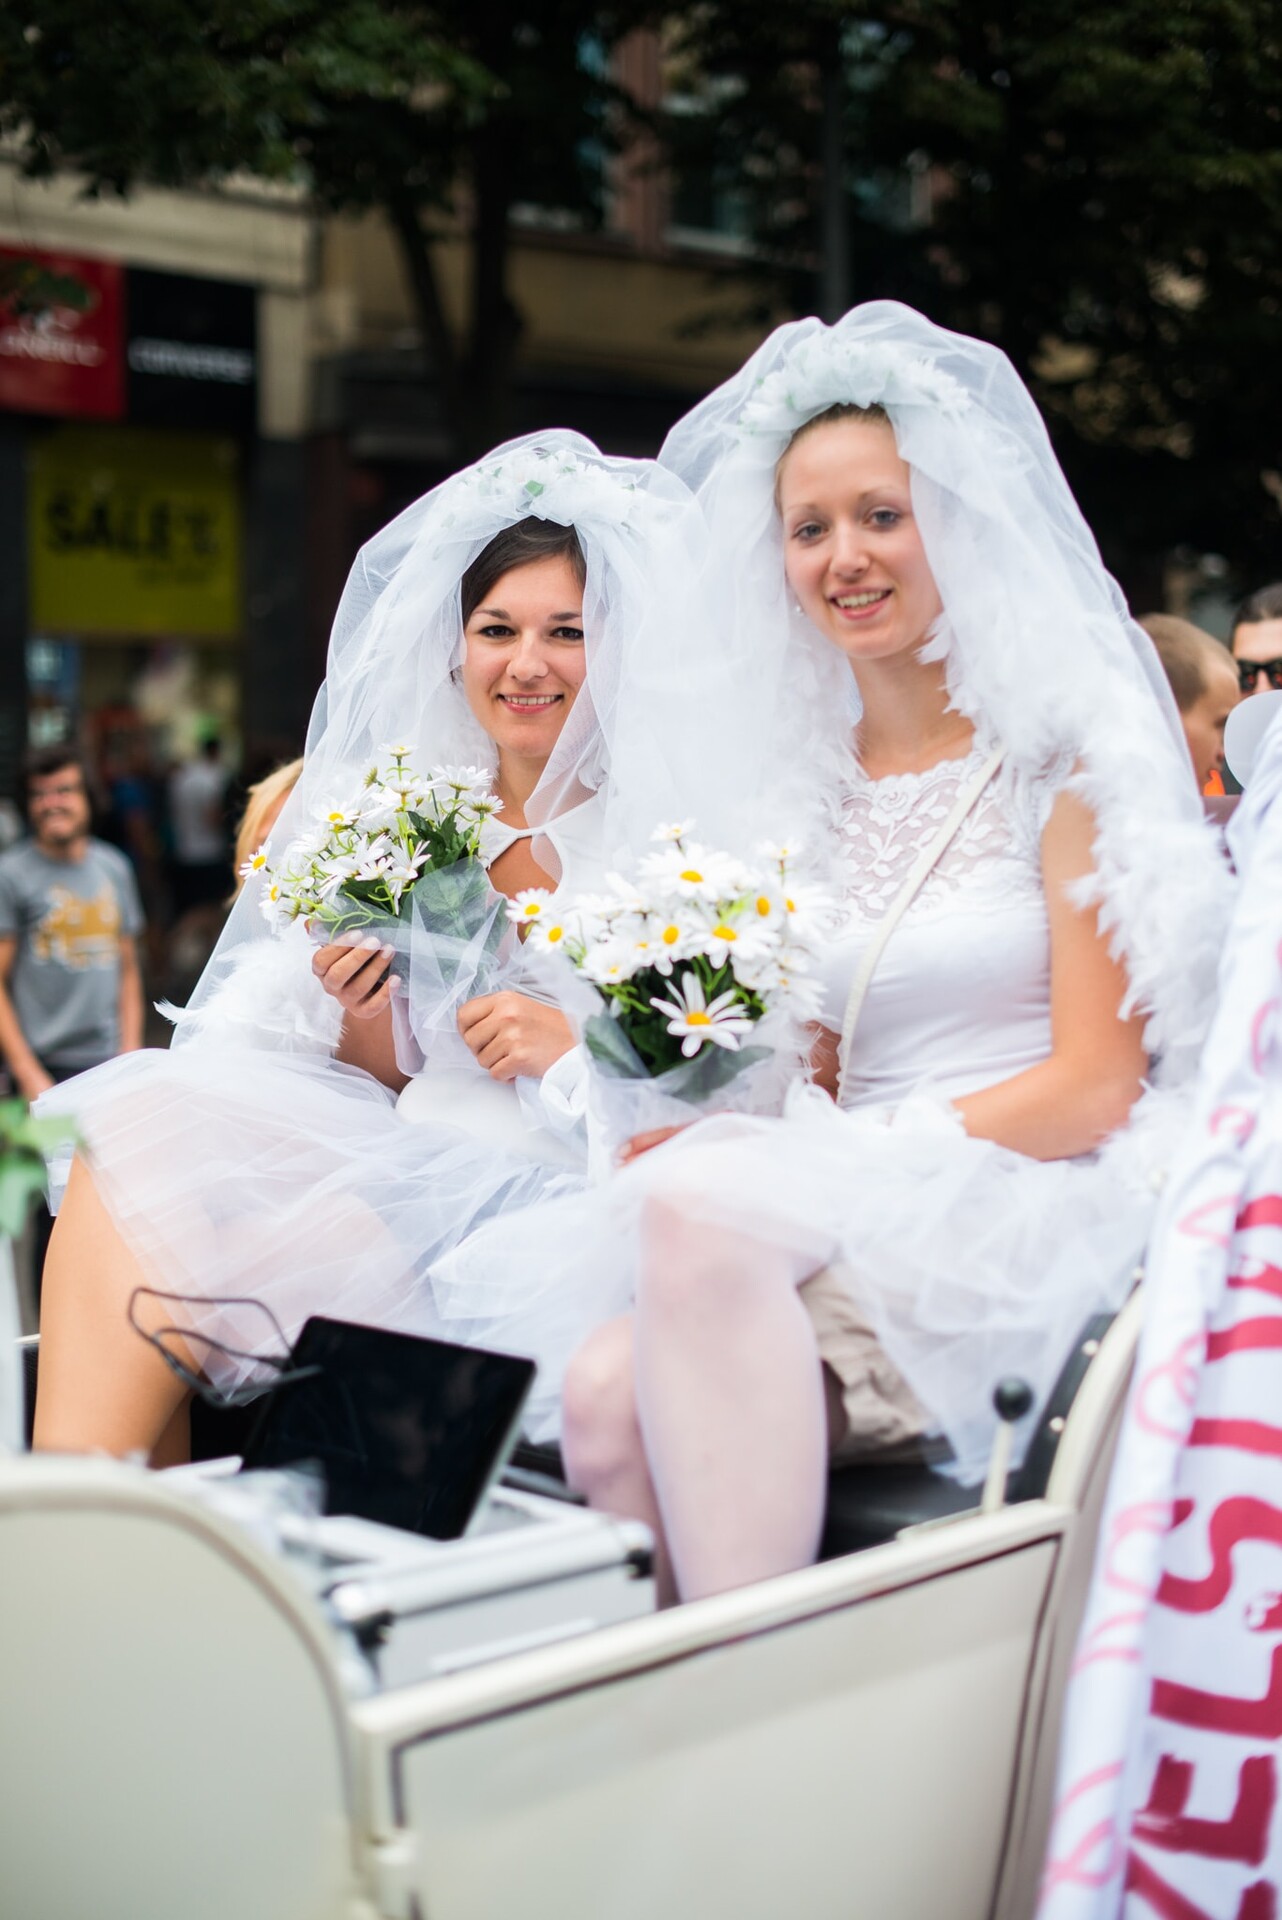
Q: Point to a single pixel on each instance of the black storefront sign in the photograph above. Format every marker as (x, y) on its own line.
(191, 352)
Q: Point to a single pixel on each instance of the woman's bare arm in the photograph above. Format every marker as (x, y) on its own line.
(1073, 1100)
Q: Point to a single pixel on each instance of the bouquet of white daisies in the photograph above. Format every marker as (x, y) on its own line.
(404, 857)
(700, 977)
(362, 858)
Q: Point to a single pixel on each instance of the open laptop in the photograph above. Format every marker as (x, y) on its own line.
(411, 1433)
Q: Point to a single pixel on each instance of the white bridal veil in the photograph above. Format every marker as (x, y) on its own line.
(1038, 644)
(397, 637)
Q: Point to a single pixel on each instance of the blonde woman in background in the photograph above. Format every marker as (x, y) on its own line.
(263, 807)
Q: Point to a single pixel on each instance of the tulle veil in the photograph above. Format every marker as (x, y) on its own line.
(1039, 646)
(397, 637)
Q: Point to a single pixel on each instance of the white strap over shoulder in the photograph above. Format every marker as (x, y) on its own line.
(926, 863)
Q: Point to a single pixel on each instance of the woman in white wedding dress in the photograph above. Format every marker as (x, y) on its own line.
(1014, 1003)
(515, 618)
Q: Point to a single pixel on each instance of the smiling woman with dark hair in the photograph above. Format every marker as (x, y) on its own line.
(509, 621)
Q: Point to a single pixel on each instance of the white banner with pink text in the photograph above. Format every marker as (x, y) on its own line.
(1167, 1802)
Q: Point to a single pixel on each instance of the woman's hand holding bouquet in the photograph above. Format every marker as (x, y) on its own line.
(699, 979)
(397, 871)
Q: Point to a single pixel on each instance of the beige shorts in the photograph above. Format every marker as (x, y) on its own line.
(872, 1411)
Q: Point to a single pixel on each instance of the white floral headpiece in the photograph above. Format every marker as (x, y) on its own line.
(534, 479)
(829, 370)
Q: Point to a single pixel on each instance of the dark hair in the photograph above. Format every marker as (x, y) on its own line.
(40, 762)
(517, 546)
(1264, 604)
(1184, 651)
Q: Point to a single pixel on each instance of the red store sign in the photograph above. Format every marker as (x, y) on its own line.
(61, 335)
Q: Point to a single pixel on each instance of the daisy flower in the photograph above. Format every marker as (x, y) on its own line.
(606, 963)
(338, 815)
(696, 1019)
(529, 905)
(547, 934)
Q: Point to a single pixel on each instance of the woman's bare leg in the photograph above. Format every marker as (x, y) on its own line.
(100, 1386)
(601, 1440)
(731, 1403)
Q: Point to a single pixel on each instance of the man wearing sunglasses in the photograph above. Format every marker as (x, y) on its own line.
(1257, 641)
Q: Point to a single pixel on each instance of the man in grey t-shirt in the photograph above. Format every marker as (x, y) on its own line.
(70, 984)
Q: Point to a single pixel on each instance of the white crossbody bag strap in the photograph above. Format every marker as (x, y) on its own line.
(927, 861)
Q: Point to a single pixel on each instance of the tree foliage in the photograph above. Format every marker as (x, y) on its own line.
(441, 116)
(1096, 185)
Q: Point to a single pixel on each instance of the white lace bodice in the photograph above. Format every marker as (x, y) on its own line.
(961, 994)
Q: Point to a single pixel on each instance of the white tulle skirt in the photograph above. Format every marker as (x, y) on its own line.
(971, 1262)
(292, 1180)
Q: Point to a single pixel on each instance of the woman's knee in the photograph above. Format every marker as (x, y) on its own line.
(675, 1242)
(599, 1428)
(689, 1264)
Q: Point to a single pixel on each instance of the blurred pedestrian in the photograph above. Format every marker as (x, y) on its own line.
(1204, 680)
(1257, 640)
(198, 821)
(70, 917)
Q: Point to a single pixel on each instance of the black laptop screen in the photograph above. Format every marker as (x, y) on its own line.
(410, 1432)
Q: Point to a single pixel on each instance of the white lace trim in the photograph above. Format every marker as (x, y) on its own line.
(883, 826)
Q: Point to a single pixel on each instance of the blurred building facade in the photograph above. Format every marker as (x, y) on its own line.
(207, 401)
(153, 420)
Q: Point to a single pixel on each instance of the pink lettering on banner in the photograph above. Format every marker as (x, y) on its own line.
(1100, 1644)
(1263, 1614)
(1259, 1719)
(1238, 1123)
(1268, 1279)
(1243, 1836)
(1264, 1211)
(1099, 1843)
(1178, 1372)
(1146, 1516)
(1248, 1436)
(1263, 1030)
(1212, 1220)
(1238, 1518)
(1248, 1336)
(1258, 1902)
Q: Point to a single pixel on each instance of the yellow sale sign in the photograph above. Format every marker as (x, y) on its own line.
(134, 532)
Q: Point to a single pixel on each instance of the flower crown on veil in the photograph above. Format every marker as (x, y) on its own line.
(829, 370)
(547, 483)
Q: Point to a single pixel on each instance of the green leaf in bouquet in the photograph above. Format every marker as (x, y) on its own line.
(441, 838)
(366, 893)
(459, 888)
(715, 1067)
(608, 1044)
